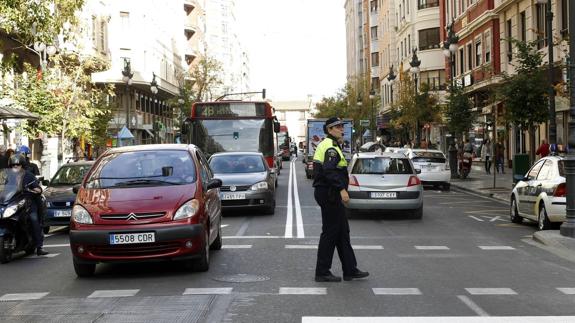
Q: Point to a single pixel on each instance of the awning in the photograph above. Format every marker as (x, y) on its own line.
(149, 132)
(125, 133)
(8, 110)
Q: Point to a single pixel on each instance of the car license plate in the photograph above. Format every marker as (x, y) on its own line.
(127, 238)
(233, 196)
(62, 213)
(383, 195)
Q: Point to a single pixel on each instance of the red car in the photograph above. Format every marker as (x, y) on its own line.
(146, 202)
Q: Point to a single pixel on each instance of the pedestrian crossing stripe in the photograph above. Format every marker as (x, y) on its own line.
(303, 291)
(438, 319)
(114, 293)
(22, 296)
(491, 291)
(208, 291)
(396, 291)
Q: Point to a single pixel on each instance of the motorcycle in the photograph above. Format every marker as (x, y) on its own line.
(465, 165)
(14, 216)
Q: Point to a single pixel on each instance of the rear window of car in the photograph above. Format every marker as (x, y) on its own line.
(428, 157)
(70, 175)
(230, 164)
(143, 168)
(382, 165)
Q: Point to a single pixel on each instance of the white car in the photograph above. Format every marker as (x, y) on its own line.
(384, 181)
(434, 167)
(541, 195)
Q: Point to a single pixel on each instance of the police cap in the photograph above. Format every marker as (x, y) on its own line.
(331, 122)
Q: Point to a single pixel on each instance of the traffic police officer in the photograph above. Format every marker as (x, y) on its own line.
(330, 183)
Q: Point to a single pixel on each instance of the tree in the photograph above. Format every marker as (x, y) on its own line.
(458, 113)
(525, 93)
(206, 77)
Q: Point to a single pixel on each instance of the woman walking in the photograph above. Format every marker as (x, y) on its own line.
(486, 153)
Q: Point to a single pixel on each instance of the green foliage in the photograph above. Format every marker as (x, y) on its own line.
(333, 106)
(458, 113)
(206, 76)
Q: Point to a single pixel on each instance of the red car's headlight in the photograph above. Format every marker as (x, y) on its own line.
(187, 210)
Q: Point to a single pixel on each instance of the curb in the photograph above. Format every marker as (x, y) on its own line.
(479, 192)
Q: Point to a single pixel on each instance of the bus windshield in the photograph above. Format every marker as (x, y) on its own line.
(214, 136)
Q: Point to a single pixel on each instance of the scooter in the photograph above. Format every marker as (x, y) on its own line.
(465, 165)
(14, 210)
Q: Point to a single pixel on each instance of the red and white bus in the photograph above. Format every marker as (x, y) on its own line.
(233, 126)
(284, 142)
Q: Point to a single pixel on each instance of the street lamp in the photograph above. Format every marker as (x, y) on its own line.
(550, 90)
(373, 117)
(568, 227)
(154, 89)
(391, 79)
(43, 50)
(450, 46)
(414, 63)
(127, 75)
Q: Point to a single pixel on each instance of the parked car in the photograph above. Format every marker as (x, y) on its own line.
(384, 181)
(247, 181)
(59, 194)
(149, 202)
(434, 167)
(541, 194)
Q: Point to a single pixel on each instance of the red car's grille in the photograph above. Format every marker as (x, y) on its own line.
(135, 250)
(132, 216)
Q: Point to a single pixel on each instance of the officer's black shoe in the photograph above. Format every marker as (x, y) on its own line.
(327, 278)
(357, 274)
(41, 252)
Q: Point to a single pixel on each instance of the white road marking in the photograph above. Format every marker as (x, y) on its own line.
(208, 291)
(300, 246)
(244, 226)
(491, 291)
(237, 246)
(303, 291)
(496, 248)
(253, 237)
(360, 247)
(478, 219)
(56, 245)
(224, 225)
(50, 255)
(567, 290)
(289, 214)
(298, 217)
(431, 247)
(22, 296)
(437, 319)
(495, 218)
(114, 293)
(472, 305)
(396, 291)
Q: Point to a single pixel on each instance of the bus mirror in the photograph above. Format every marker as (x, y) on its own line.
(276, 127)
(236, 135)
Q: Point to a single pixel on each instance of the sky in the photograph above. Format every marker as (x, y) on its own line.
(295, 47)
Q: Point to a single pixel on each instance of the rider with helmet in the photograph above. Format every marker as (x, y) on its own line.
(17, 162)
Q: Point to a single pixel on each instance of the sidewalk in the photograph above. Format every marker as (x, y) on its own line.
(482, 184)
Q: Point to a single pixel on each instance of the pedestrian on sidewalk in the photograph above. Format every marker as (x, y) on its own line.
(499, 157)
(543, 149)
(486, 155)
(330, 191)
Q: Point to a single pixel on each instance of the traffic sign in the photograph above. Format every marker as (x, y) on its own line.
(364, 123)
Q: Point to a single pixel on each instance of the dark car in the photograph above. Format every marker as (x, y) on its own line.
(247, 181)
(59, 195)
(149, 202)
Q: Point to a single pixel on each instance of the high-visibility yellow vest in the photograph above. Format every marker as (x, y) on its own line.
(323, 146)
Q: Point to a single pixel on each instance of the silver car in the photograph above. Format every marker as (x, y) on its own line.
(434, 167)
(247, 181)
(384, 181)
(540, 195)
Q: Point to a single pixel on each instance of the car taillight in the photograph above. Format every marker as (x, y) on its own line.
(561, 190)
(353, 181)
(413, 180)
(270, 161)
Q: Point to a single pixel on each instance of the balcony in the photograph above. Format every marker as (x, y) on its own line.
(189, 30)
(425, 4)
(190, 5)
(190, 55)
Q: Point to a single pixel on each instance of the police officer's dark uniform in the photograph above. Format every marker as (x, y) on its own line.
(330, 178)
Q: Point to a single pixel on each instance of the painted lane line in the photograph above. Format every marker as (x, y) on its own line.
(253, 237)
(56, 245)
(50, 255)
(437, 319)
(224, 225)
(472, 305)
(396, 291)
(298, 217)
(567, 290)
(22, 296)
(300, 246)
(431, 247)
(491, 291)
(237, 246)
(360, 247)
(475, 218)
(244, 226)
(208, 291)
(289, 213)
(114, 293)
(496, 248)
(303, 291)
(495, 218)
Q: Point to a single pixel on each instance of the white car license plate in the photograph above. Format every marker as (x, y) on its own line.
(127, 238)
(383, 195)
(233, 196)
(62, 213)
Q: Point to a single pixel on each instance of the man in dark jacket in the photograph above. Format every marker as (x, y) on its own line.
(330, 182)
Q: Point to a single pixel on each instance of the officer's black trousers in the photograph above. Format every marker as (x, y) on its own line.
(334, 233)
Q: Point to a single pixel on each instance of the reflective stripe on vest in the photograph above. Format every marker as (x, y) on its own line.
(323, 146)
